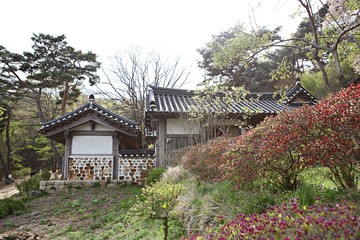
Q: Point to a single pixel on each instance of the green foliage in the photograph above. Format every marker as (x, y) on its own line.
(22, 172)
(33, 183)
(159, 201)
(307, 194)
(9, 224)
(230, 58)
(154, 174)
(11, 206)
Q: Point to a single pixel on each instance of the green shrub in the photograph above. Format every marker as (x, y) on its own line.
(22, 173)
(154, 174)
(307, 194)
(33, 183)
(11, 205)
(158, 203)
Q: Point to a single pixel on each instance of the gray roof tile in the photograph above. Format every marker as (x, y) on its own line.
(90, 106)
(177, 101)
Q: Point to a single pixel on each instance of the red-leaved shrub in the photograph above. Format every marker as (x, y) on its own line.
(206, 160)
(290, 221)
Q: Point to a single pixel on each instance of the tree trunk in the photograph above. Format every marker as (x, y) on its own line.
(57, 158)
(166, 228)
(7, 142)
(323, 71)
(65, 97)
(3, 162)
(340, 74)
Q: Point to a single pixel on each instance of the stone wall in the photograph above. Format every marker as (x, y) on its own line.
(132, 167)
(55, 185)
(90, 168)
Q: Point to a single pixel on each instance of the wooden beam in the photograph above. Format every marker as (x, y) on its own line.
(161, 142)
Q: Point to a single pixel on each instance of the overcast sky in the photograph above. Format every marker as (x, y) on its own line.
(175, 28)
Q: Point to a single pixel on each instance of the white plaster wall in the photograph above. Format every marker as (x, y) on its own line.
(91, 145)
(87, 127)
(100, 127)
(182, 126)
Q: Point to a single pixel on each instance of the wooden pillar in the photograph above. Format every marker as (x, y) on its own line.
(65, 164)
(161, 143)
(116, 157)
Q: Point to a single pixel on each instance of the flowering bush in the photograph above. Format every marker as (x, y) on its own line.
(206, 160)
(332, 130)
(290, 221)
(281, 147)
(270, 152)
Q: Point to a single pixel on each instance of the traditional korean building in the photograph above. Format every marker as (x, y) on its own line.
(102, 145)
(171, 129)
(99, 144)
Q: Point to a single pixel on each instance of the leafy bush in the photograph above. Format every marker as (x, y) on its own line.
(33, 183)
(154, 174)
(206, 160)
(269, 153)
(11, 206)
(332, 131)
(280, 148)
(290, 221)
(158, 202)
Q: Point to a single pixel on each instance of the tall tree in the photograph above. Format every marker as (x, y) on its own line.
(52, 64)
(127, 82)
(240, 68)
(324, 46)
(9, 92)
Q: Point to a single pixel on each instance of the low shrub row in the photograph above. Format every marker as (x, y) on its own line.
(282, 147)
(289, 221)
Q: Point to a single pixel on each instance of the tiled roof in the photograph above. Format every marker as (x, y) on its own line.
(90, 107)
(168, 100)
(296, 90)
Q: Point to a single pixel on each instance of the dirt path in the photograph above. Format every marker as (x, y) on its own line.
(7, 190)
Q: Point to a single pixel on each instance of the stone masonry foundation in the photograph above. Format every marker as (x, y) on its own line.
(90, 168)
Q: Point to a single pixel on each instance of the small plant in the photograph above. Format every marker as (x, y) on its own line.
(43, 221)
(159, 202)
(22, 172)
(75, 203)
(97, 185)
(13, 236)
(154, 174)
(33, 183)
(9, 224)
(11, 205)
(307, 194)
(95, 202)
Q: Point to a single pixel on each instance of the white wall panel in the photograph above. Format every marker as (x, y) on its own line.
(182, 126)
(92, 145)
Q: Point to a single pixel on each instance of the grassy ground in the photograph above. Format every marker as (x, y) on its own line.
(89, 213)
(103, 212)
